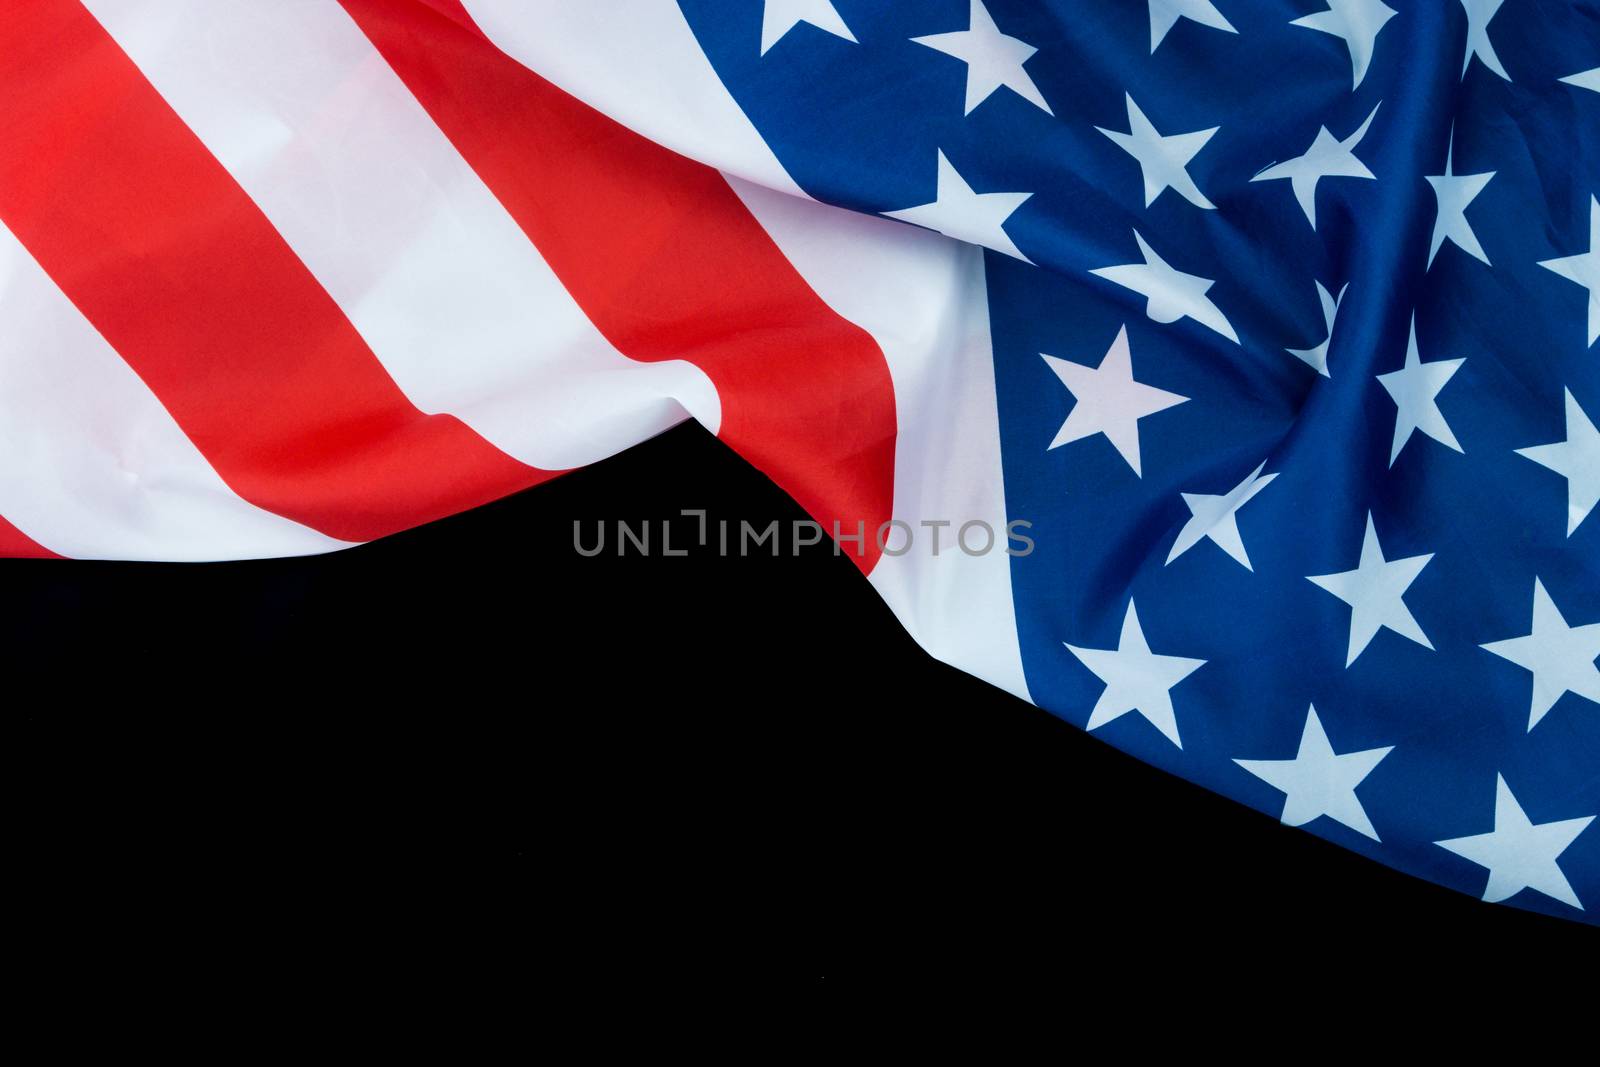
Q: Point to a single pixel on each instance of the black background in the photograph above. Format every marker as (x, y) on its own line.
(468, 730)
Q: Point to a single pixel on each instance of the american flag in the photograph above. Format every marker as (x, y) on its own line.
(1274, 320)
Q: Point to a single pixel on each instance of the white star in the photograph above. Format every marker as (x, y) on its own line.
(1454, 192)
(1136, 679)
(1217, 517)
(1415, 390)
(1374, 591)
(1577, 459)
(1318, 781)
(1164, 14)
(1588, 79)
(1358, 22)
(993, 59)
(1172, 294)
(1584, 269)
(1479, 12)
(1519, 854)
(781, 16)
(1327, 157)
(957, 211)
(1318, 356)
(1108, 400)
(1561, 657)
(1162, 160)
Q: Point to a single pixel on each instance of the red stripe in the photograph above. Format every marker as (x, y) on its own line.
(666, 261)
(14, 544)
(172, 262)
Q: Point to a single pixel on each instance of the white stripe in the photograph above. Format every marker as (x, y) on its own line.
(923, 298)
(94, 467)
(437, 277)
(638, 62)
(920, 295)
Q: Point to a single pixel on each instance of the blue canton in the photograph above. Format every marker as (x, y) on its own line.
(1295, 307)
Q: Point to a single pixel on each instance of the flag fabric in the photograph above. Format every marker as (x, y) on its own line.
(1272, 323)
